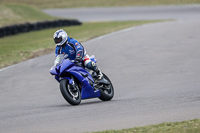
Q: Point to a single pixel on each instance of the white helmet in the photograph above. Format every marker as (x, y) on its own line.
(60, 37)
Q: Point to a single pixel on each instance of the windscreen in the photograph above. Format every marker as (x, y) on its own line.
(59, 59)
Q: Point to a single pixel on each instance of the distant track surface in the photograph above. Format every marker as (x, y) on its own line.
(155, 70)
(183, 12)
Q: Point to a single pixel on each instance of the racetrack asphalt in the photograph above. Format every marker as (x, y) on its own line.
(182, 12)
(155, 70)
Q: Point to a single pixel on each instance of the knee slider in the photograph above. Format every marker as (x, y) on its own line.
(91, 65)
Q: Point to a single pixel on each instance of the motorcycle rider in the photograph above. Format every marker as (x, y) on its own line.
(74, 50)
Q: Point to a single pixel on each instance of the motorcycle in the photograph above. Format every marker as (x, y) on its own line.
(77, 82)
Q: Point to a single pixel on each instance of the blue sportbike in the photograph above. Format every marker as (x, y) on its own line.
(77, 82)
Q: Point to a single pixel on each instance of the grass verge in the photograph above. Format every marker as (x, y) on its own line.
(17, 13)
(191, 126)
(14, 49)
(96, 3)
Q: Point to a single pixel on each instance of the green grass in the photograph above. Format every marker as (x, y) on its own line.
(14, 49)
(96, 3)
(192, 126)
(17, 13)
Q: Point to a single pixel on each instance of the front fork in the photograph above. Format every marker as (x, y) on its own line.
(70, 79)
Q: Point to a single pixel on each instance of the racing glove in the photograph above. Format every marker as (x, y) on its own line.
(79, 56)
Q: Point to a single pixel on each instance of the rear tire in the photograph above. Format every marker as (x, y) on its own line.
(107, 92)
(71, 95)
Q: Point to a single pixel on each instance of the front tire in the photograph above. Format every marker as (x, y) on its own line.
(107, 91)
(72, 95)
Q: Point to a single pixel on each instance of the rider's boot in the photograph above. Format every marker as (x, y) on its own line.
(99, 73)
(93, 66)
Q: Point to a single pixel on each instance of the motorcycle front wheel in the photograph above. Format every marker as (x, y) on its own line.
(71, 93)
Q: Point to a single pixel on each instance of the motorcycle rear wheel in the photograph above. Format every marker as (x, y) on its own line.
(71, 95)
(107, 91)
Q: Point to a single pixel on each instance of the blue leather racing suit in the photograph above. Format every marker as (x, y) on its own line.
(75, 51)
(73, 48)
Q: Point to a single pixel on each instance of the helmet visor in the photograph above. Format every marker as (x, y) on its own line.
(57, 40)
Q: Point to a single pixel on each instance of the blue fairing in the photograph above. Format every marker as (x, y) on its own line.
(84, 77)
(65, 64)
(53, 71)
